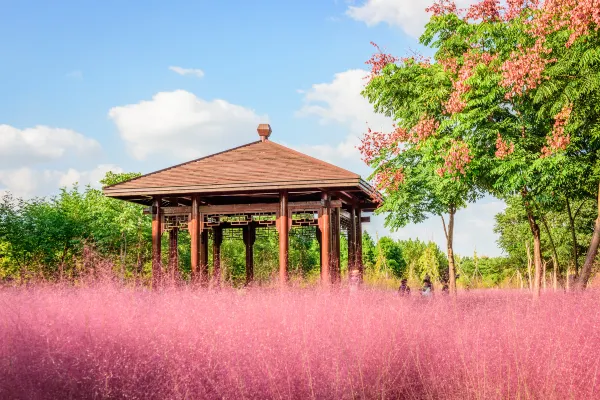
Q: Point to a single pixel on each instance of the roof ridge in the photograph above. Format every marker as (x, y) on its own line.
(313, 158)
(183, 163)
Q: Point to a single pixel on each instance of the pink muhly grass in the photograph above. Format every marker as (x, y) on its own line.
(110, 341)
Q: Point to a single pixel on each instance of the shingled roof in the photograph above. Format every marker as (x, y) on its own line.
(258, 166)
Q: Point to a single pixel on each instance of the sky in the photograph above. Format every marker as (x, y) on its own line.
(89, 87)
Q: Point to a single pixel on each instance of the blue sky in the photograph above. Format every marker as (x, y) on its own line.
(136, 86)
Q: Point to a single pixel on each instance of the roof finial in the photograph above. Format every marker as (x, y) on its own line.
(264, 131)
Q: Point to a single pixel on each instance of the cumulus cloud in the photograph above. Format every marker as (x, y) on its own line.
(38, 161)
(473, 230)
(181, 126)
(410, 16)
(344, 154)
(188, 71)
(339, 102)
(29, 182)
(19, 147)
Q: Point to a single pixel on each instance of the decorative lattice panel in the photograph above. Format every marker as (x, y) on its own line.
(304, 232)
(233, 234)
(305, 218)
(269, 231)
(344, 233)
(232, 219)
(264, 219)
(174, 221)
(344, 222)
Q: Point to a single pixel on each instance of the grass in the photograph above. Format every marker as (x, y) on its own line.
(108, 341)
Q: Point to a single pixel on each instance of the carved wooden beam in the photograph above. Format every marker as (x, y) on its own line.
(180, 210)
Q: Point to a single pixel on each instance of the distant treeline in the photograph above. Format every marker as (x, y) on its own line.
(54, 238)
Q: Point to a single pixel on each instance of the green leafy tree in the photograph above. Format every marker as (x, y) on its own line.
(419, 169)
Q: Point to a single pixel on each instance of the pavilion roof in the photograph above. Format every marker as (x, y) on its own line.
(254, 167)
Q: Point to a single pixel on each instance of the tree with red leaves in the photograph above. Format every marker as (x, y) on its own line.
(522, 100)
(420, 170)
(509, 106)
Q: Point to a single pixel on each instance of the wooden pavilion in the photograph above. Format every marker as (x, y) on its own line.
(258, 186)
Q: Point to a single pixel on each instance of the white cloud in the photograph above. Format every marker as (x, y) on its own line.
(21, 147)
(188, 71)
(32, 160)
(29, 182)
(473, 230)
(410, 16)
(181, 126)
(345, 154)
(340, 102)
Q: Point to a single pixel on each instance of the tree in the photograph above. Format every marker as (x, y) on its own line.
(391, 254)
(420, 170)
(496, 57)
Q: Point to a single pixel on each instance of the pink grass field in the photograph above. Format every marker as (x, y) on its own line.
(61, 342)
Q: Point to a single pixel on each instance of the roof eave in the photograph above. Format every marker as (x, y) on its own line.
(233, 187)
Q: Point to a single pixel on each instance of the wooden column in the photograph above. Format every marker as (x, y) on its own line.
(173, 253)
(352, 241)
(249, 238)
(335, 245)
(358, 245)
(203, 267)
(156, 245)
(194, 228)
(217, 241)
(283, 237)
(325, 226)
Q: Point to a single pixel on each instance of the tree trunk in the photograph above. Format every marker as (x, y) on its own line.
(586, 270)
(573, 239)
(554, 275)
(554, 252)
(545, 264)
(520, 279)
(537, 253)
(537, 246)
(529, 263)
(449, 244)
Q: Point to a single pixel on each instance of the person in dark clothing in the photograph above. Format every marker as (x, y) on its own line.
(445, 289)
(445, 279)
(404, 289)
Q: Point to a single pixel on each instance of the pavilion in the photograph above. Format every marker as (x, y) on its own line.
(258, 186)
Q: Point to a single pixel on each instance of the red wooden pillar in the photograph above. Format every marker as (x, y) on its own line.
(283, 237)
(156, 245)
(335, 245)
(249, 238)
(325, 227)
(203, 268)
(358, 244)
(173, 253)
(194, 228)
(217, 241)
(352, 241)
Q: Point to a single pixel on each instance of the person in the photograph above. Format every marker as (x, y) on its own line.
(445, 289)
(427, 287)
(404, 289)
